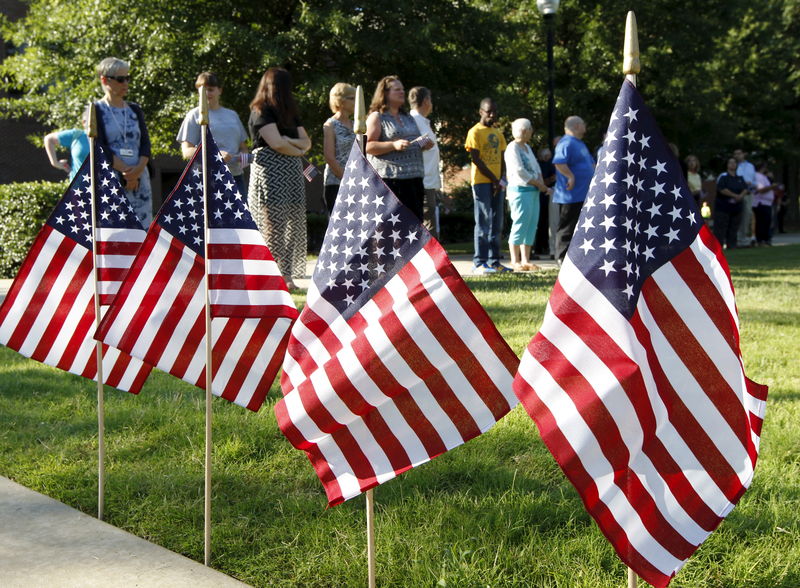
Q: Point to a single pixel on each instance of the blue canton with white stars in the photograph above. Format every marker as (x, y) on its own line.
(182, 214)
(72, 214)
(370, 237)
(639, 212)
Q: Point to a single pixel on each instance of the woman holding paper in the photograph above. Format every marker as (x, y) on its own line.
(394, 144)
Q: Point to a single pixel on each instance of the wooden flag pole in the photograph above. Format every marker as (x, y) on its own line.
(101, 407)
(209, 374)
(631, 67)
(360, 130)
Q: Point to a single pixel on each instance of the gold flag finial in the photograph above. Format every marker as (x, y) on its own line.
(630, 62)
(360, 116)
(203, 105)
(91, 123)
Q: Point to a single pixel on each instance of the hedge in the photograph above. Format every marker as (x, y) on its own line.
(24, 207)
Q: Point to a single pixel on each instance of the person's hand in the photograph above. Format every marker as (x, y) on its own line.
(62, 164)
(425, 143)
(400, 145)
(131, 184)
(132, 173)
(226, 157)
(570, 182)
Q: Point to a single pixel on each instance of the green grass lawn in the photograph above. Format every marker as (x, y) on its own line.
(495, 512)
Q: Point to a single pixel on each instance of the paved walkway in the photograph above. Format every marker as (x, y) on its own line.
(45, 543)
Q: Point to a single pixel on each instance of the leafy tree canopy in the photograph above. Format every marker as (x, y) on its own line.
(721, 75)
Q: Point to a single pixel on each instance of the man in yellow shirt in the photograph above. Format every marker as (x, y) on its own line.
(486, 146)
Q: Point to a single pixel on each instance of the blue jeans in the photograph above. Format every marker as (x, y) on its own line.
(488, 224)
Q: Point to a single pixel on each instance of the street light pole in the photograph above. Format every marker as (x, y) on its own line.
(548, 9)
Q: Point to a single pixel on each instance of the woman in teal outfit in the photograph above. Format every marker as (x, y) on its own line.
(524, 183)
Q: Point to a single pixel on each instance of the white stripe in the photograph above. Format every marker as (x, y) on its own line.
(246, 267)
(430, 347)
(692, 395)
(265, 355)
(580, 437)
(114, 261)
(64, 280)
(124, 235)
(621, 332)
(613, 397)
(717, 274)
(418, 390)
(464, 326)
(252, 298)
(178, 337)
(28, 288)
(236, 237)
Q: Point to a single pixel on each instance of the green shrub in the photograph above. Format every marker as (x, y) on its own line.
(24, 207)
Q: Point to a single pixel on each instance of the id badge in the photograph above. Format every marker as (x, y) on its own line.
(126, 152)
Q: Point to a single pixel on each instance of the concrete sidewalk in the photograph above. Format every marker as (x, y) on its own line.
(48, 544)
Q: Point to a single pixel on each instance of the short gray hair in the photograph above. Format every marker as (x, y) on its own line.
(111, 66)
(417, 95)
(519, 126)
(572, 122)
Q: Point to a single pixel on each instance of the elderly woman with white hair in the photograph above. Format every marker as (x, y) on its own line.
(524, 183)
(122, 132)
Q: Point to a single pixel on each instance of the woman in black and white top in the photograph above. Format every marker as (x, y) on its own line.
(337, 138)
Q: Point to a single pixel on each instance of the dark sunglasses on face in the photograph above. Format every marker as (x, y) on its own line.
(119, 79)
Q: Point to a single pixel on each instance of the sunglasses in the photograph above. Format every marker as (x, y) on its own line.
(119, 79)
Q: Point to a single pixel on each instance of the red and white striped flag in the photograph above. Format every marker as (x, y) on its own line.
(393, 361)
(636, 379)
(158, 313)
(48, 314)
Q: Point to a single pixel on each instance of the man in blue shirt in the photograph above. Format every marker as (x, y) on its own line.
(574, 170)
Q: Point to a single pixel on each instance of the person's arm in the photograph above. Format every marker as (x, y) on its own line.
(722, 188)
(51, 143)
(278, 142)
(329, 150)
(564, 170)
(475, 156)
(187, 149)
(302, 141)
(377, 147)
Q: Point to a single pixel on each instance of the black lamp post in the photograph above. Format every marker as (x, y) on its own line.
(548, 9)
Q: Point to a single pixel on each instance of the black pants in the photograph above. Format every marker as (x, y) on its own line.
(410, 192)
(568, 215)
(763, 214)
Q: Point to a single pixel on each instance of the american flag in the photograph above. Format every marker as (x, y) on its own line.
(48, 314)
(393, 361)
(310, 170)
(158, 314)
(636, 379)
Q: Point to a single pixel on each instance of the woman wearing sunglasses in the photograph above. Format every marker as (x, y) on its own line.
(121, 130)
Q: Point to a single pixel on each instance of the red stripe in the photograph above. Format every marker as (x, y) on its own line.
(606, 431)
(246, 282)
(140, 378)
(111, 274)
(55, 270)
(69, 299)
(693, 273)
(323, 469)
(450, 340)
(570, 464)
(630, 379)
(25, 269)
(79, 339)
(223, 352)
(140, 265)
(268, 377)
(288, 428)
(191, 342)
(696, 360)
(371, 417)
(424, 370)
(399, 394)
(253, 311)
(477, 313)
(683, 420)
(113, 376)
(238, 251)
(130, 248)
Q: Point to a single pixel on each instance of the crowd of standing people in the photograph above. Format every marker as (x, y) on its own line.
(403, 148)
